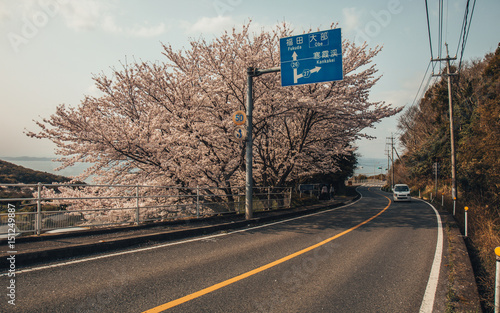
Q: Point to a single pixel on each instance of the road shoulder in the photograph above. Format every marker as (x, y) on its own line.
(461, 291)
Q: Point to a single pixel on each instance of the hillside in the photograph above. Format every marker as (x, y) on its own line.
(12, 174)
(426, 138)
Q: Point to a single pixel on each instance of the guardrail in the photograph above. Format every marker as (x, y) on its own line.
(366, 182)
(38, 208)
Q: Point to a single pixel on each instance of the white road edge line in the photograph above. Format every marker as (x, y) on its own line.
(432, 283)
(170, 243)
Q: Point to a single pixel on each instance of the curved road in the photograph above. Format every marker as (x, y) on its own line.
(370, 256)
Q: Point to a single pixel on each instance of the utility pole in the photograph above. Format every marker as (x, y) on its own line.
(391, 157)
(452, 128)
(388, 163)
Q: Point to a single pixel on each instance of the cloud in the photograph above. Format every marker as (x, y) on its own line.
(92, 14)
(352, 17)
(86, 14)
(213, 25)
(93, 91)
(396, 98)
(5, 12)
(108, 24)
(217, 25)
(147, 31)
(402, 94)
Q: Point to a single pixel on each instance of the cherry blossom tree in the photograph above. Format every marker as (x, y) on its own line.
(169, 123)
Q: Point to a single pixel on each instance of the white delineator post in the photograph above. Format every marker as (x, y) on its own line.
(38, 223)
(497, 281)
(466, 209)
(137, 207)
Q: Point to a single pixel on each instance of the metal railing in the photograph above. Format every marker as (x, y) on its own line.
(366, 182)
(47, 207)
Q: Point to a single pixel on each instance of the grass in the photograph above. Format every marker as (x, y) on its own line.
(451, 296)
(483, 237)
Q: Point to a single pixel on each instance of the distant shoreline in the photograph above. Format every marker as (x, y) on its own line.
(26, 158)
(370, 166)
(366, 166)
(47, 165)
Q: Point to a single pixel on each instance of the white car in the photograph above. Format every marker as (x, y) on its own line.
(401, 192)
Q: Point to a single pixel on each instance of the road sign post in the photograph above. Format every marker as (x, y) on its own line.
(249, 177)
(305, 59)
(251, 73)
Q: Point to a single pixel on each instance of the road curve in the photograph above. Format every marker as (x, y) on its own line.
(370, 256)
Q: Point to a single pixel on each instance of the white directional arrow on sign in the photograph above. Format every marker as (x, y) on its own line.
(306, 73)
(316, 69)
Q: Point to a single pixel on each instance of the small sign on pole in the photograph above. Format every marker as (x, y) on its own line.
(239, 117)
(240, 133)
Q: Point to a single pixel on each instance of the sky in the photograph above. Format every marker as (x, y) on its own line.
(50, 49)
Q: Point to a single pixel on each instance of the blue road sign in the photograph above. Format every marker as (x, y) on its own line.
(311, 58)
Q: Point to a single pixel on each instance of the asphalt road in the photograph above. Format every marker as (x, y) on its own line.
(370, 256)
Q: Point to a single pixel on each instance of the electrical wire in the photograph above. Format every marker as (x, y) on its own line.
(421, 83)
(446, 25)
(464, 23)
(465, 28)
(429, 28)
(466, 34)
(440, 28)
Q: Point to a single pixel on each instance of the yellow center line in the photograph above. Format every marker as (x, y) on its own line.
(230, 281)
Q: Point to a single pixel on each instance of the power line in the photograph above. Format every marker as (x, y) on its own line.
(463, 41)
(464, 23)
(428, 83)
(440, 28)
(446, 26)
(429, 28)
(422, 82)
(466, 34)
(421, 91)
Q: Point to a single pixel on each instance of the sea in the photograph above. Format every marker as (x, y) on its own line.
(366, 166)
(45, 164)
(371, 166)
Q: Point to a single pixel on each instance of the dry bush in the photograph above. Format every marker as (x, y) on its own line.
(484, 229)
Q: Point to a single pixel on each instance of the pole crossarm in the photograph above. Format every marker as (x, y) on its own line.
(447, 59)
(445, 74)
(443, 59)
